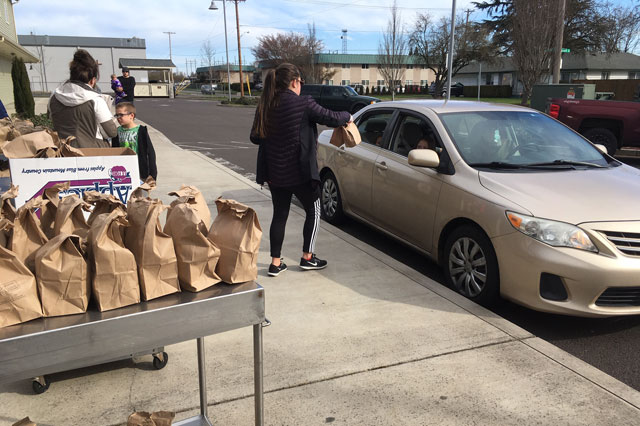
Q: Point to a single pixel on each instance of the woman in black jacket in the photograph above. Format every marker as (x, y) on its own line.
(285, 128)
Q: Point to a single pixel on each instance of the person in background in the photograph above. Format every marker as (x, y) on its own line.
(285, 128)
(128, 84)
(76, 109)
(3, 111)
(116, 86)
(136, 137)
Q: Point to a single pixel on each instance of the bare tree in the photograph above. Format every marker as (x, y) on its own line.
(531, 54)
(208, 53)
(430, 43)
(621, 28)
(391, 52)
(313, 72)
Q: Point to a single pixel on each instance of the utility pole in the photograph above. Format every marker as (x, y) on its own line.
(557, 50)
(451, 46)
(169, 32)
(239, 49)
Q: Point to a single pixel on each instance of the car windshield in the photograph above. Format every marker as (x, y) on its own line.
(351, 91)
(519, 139)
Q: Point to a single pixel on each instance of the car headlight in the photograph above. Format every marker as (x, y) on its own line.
(557, 234)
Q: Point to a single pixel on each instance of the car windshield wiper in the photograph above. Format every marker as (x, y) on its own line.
(566, 163)
(496, 165)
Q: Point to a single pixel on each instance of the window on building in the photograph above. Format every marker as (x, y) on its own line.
(408, 82)
(424, 83)
(633, 75)
(365, 66)
(330, 82)
(380, 82)
(346, 65)
(365, 82)
(410, 67)
(604, 75)
(346, 82)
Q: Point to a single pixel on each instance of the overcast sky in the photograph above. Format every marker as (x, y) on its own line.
(193, 22)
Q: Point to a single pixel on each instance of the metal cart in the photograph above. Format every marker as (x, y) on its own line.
(50, 345)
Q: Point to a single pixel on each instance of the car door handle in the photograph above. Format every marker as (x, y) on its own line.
(382, 166)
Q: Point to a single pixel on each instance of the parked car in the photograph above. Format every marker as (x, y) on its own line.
(337, 98)
(509, 202)
(208, 89)
(613, 124)
(457, 89)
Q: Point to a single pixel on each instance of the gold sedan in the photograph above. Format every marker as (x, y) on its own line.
(507, 200)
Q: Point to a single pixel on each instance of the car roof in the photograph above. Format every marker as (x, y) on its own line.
(440, 106)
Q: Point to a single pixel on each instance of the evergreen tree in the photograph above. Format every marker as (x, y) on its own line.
(367, 91)
(23, 98)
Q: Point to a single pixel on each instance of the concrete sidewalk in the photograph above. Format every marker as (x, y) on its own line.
(367, 341)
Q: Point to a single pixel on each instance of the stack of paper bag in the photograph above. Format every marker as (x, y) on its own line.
(102, 203)
(18, 292)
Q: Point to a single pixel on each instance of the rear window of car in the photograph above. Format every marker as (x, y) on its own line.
(310, 89)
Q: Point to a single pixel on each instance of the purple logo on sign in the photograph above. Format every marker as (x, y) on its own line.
(118, 173)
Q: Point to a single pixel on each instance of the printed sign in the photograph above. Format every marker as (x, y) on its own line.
(116, 174)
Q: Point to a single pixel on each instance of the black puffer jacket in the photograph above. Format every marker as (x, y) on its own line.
(288, 155)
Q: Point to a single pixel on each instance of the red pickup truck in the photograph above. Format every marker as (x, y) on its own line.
(613, 124)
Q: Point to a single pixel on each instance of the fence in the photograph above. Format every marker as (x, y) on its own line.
(625, 90)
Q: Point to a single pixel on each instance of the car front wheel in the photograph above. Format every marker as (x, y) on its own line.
(330, 199)
(471, 266)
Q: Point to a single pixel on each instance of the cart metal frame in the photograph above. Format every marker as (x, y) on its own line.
(51, 345)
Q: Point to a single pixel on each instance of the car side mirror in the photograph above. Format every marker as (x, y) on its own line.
(602, 148)
(423, 158)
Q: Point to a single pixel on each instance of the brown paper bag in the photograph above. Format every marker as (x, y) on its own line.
(6, 231)
(18, 292)
(70, 217)
(50, 207)
(114, 276)
(197, 255)
(196, 201)
(102, 203)
(6, 208)
(25, 422)
(62, 277)
(348, 135)
(158, 418)
(152, 248)
(27, 233)
(27, 146)
(237, 232)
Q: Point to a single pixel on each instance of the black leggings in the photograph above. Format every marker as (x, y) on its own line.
(281, 199)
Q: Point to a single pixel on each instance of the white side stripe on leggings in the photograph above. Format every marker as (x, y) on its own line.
(316, 224)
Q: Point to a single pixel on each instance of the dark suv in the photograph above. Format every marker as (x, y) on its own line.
(456, 90)
(337, 98)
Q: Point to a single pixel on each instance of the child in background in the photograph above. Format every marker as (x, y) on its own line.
(136, 137)
(116, 86)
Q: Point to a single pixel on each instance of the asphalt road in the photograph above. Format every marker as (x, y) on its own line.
(222, 133)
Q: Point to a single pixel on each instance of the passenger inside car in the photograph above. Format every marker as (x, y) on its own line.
(373, 130)
(410, 135)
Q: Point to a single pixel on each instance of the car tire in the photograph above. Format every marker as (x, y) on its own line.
(330, 199)
(471, 266)
(603, 136)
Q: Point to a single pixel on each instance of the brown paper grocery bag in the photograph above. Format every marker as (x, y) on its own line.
(102, 203)
(18, 292)
(236, 231)
(114, 276)
(348, 135)
(197, 255)
(195, 199)
(50, 207)
(27, 233)
(158, 418)
(6, 208)
(27, 146)
(6, 231)
(153, 249)
(25, 422)
(70, 217)
(62, 277)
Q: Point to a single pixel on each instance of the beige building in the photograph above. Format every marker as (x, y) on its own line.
(9, 48)
(219, 73)
(356, 69)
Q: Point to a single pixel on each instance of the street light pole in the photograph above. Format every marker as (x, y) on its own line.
(226, 44)
(451, 45)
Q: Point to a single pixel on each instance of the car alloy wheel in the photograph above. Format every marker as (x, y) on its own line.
(471, 267)
(330, 199)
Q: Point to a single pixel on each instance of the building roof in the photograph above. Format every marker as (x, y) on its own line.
(148, 64)
(73, 41)
(8, 48)
(223, 67)
(347, 58)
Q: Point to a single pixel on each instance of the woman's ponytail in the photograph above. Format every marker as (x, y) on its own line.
(276, 81)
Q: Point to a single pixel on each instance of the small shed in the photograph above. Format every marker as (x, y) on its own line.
(162, 88)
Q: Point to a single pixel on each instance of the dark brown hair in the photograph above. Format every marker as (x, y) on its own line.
(83, 67)
(276, 82)
(127, 106)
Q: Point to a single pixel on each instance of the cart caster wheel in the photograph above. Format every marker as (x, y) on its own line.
(39, 388)
(160, 360)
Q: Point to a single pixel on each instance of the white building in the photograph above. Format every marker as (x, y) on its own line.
(56, 52)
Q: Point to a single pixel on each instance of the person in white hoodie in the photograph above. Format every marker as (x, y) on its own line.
(76, 109)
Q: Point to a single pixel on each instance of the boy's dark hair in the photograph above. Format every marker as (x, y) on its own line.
(83, 67)
(128, 106)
